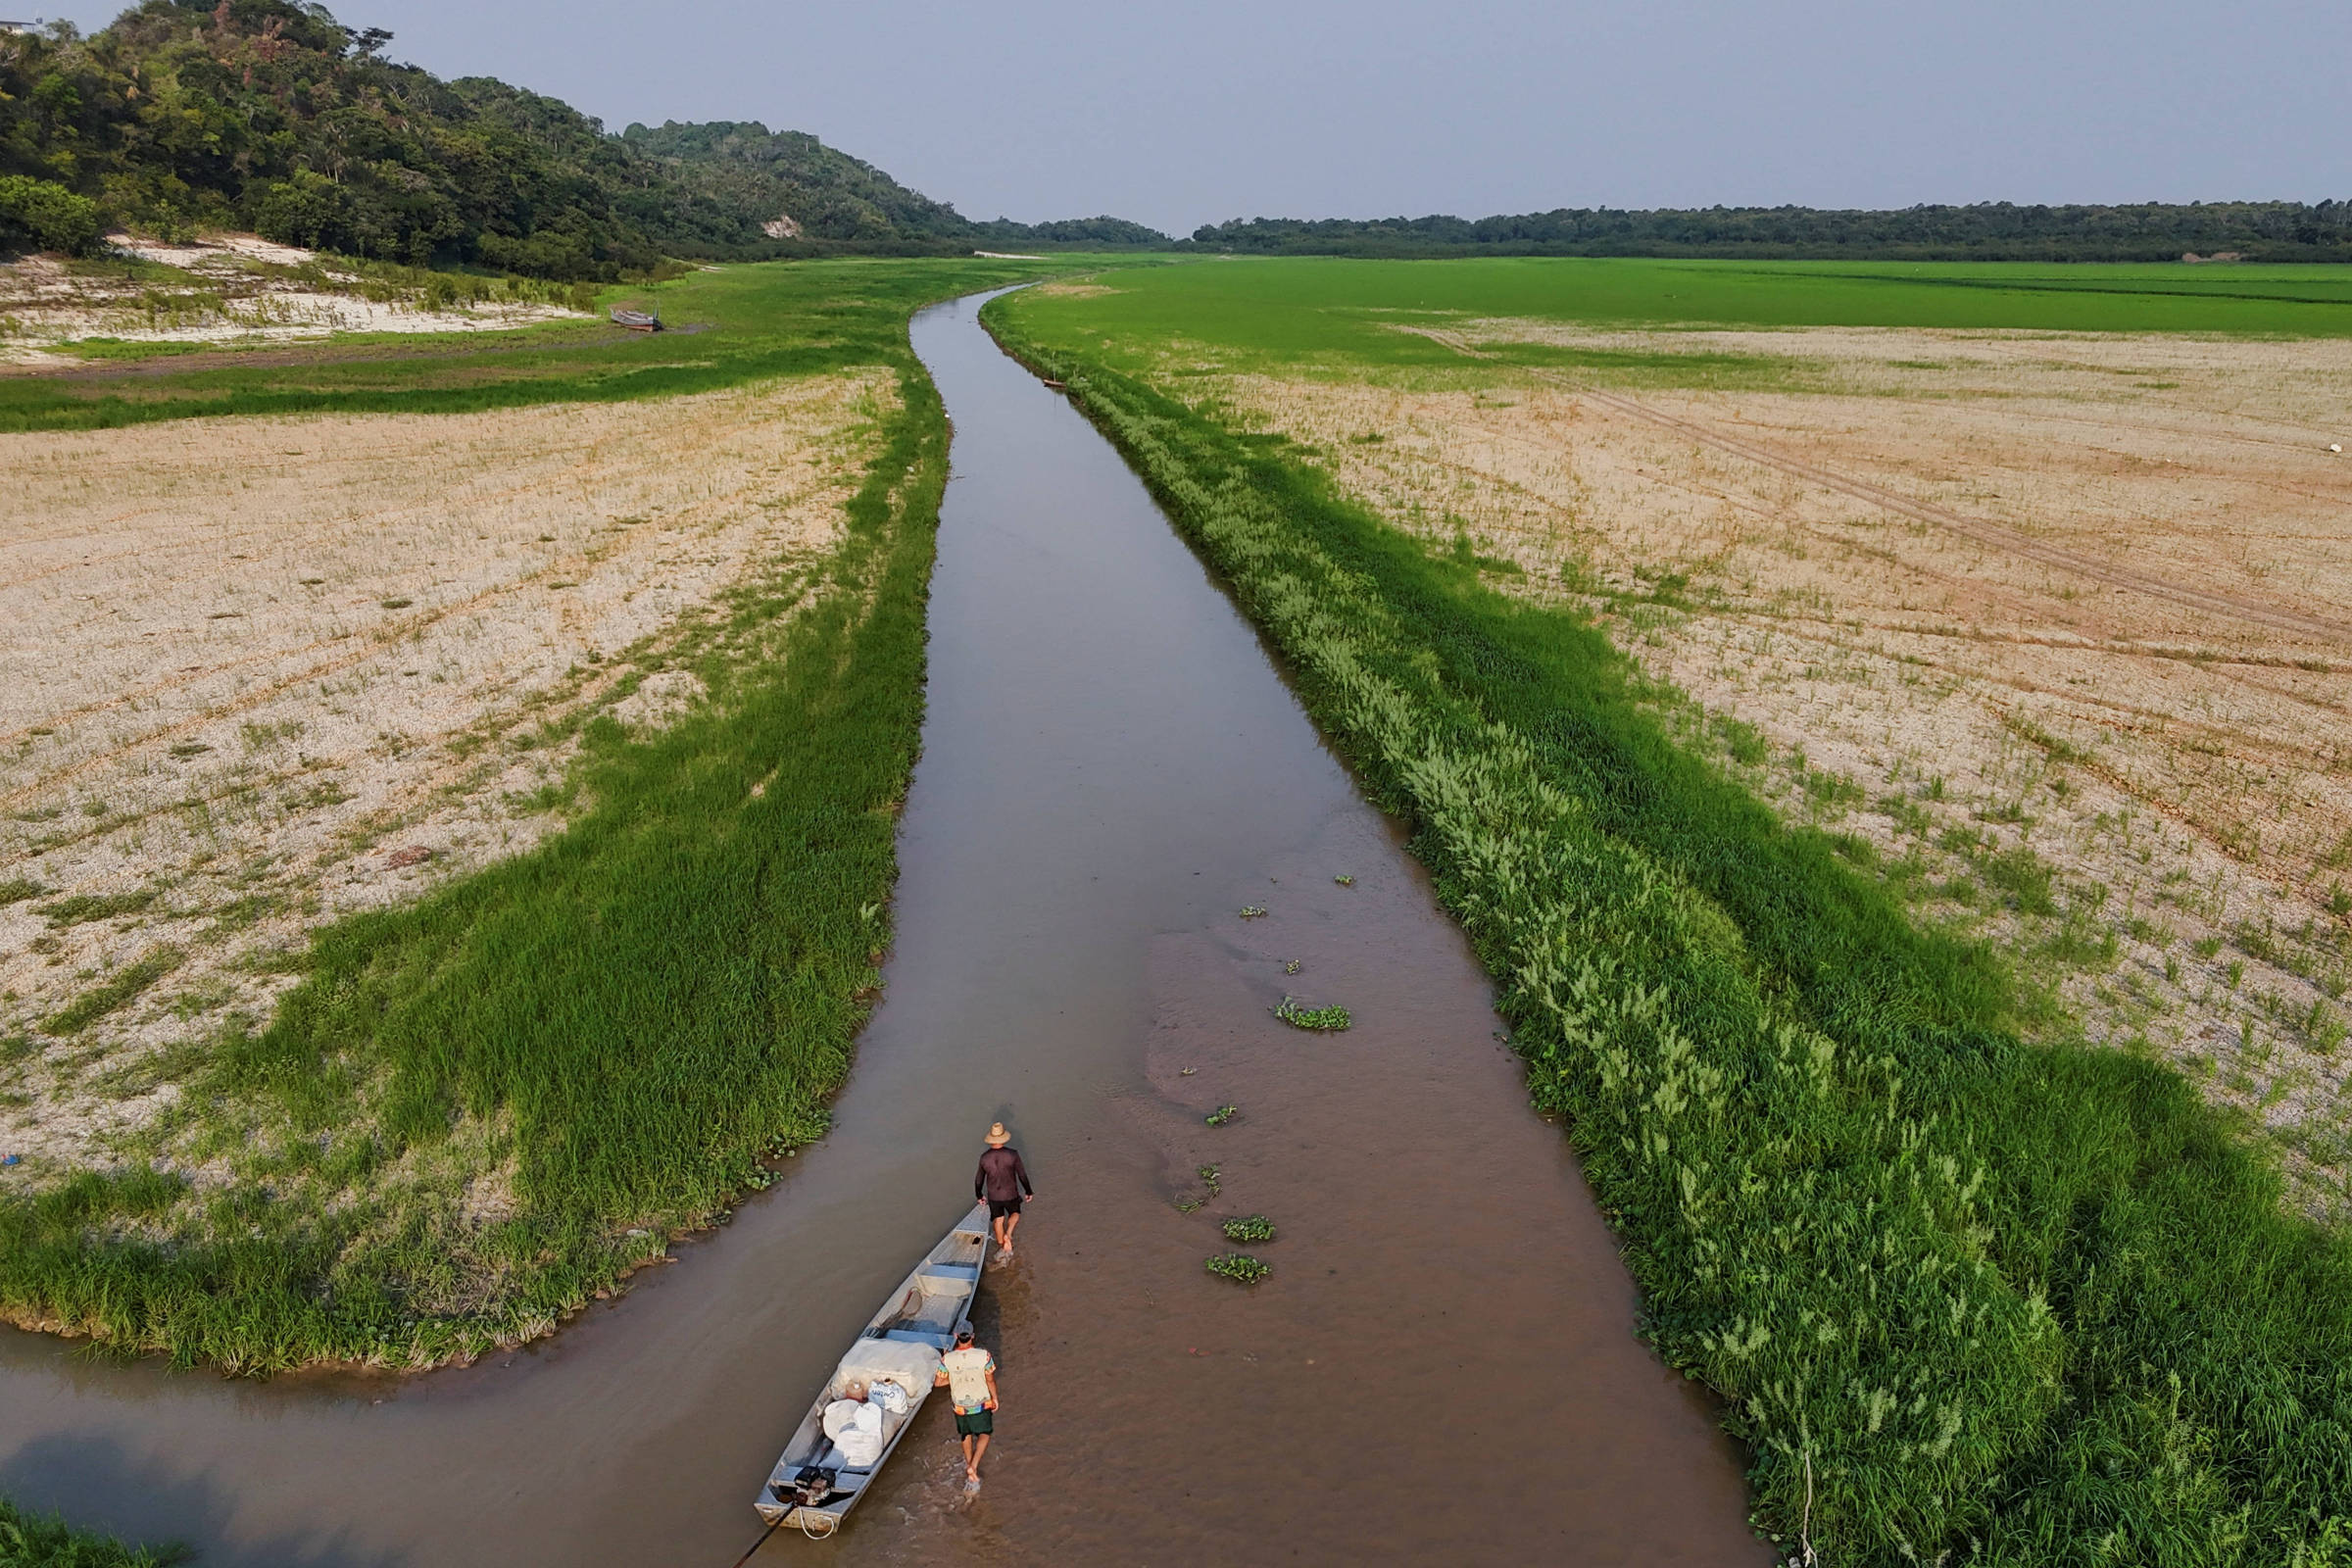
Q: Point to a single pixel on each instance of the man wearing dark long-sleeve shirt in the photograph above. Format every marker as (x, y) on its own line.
(1004, 1182)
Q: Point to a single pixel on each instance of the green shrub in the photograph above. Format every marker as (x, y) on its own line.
(41, 215)
(309, 210)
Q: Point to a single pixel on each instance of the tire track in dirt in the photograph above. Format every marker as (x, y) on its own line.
(1990, 534)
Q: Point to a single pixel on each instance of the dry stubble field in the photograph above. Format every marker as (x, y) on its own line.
(258, 673)
(2056, 628)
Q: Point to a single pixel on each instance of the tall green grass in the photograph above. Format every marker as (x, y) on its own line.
(41, 1541)
(643, 1008)
(1962, 1295)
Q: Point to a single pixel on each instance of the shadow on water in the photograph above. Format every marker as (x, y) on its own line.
(160, 1505)
(1443, 1367)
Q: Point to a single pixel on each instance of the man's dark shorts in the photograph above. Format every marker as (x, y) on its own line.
(997, 1211)
(979, 1424)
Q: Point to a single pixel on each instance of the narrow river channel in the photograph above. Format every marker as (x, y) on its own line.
(1443, 1367)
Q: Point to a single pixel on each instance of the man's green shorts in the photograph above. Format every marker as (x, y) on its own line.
(979, 1424)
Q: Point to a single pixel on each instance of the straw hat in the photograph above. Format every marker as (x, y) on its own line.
(998, 1137)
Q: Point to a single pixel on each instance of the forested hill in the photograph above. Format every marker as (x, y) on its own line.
(2267, 231)
(809, 191)
(271, 115)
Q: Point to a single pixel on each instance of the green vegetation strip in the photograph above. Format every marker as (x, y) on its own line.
(1962, 1293)
(642, 1008)
(1292, 314)
(43, 1540)
(750, 324)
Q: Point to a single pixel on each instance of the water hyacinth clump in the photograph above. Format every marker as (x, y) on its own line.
(1254, 1228)
(1240, 1267)
(1965, 1297)
(1325, 1020)
(1253, 912)
(1221, 1115)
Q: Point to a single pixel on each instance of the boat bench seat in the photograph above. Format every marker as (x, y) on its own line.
(948, 1279)
(938, 1342)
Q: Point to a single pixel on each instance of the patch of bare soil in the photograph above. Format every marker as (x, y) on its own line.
(233, 288)
(256, 674)
(2057, 629)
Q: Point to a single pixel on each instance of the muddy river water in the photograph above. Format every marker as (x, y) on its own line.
(1441, 1368)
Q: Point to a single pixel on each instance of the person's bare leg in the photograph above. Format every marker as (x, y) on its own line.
(1013, 1222)
(1004, 1226)
(970, 1464)
(972, 1468)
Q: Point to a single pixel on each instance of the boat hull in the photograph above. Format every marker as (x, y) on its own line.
(917, 1323)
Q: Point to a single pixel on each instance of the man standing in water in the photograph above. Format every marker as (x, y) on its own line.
(969, 1375)
(1004, 1182)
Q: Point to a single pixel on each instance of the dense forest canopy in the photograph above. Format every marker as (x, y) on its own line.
(828, 195)
(273, 115)
(2267, 232)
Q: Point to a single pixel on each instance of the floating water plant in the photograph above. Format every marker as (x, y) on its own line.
(1250, 912)
(1345, 881)
(1255, 1228)
(1240, 1267)
(1326, 1020)
(1290, 966)
(1208, 1174)
(1221, 1115)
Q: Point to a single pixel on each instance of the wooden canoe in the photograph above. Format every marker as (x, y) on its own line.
(811, 1487)
(636, 321)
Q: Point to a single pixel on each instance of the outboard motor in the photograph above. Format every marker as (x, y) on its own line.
(808, 1490)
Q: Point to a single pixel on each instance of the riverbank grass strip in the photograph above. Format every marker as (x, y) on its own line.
(636, 1014)
(1966, 1298)
(44, 1541)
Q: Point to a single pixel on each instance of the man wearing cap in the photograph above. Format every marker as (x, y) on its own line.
(969, 1375)
(1003, 1181)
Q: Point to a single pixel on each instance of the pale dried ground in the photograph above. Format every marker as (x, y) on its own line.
(2181, 766)
(257, 675)
(227, 289)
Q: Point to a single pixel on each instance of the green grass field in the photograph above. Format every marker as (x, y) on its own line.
(1967, 1299)
(739, 324)
(1245, 312)
(645, 1006)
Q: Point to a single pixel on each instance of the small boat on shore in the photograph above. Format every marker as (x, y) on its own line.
(814, 1486)
(636, 321)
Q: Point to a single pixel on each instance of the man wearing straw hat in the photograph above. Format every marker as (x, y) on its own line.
(1004, 1182)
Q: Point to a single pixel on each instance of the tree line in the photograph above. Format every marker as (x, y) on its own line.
(266, 114)
(1989, 231)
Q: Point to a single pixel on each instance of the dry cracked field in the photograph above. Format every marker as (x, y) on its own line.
(258, 673)
(2057, 629)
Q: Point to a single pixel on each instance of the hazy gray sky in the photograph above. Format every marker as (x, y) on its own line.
(1183, 114)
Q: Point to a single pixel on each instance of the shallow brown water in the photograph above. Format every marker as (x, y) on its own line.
(1442, 1368)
